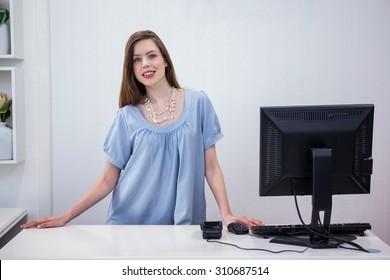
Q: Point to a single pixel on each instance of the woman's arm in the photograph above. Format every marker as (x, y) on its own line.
(99, 190)
(216, 182)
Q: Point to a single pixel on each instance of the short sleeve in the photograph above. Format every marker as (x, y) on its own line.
(117, 145)
(211, 128)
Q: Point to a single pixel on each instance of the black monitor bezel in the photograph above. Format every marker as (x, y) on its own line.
(347, 183)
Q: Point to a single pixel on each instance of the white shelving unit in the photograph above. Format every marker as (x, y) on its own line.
(15, 8)
(12, 79)
(11, 82)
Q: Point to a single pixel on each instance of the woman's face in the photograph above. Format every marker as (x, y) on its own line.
(148, 63)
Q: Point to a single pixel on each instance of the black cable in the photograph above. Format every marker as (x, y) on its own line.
(341, 241)
(255, 249)
(297, 207)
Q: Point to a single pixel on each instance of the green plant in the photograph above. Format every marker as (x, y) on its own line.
(5, 106)
(4, 14)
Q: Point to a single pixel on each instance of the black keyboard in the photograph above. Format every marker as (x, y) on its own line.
(346, 228)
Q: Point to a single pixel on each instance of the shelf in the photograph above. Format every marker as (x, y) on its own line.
(11, 82)
(10, 221)
(15, 24)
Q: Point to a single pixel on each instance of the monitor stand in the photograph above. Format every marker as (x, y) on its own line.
(306, 241)
(318, 234)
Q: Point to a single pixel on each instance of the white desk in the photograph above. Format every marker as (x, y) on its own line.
(162, 242)
(10, 221)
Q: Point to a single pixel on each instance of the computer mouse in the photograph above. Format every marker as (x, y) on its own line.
(238, 228)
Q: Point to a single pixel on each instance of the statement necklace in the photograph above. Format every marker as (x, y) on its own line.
(169, 110)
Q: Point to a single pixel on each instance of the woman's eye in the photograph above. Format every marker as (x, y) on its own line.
(137, 59)
(152, 56)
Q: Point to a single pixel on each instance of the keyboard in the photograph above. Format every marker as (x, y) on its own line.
(345, 228)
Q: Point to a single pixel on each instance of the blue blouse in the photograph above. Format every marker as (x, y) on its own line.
(162, 177)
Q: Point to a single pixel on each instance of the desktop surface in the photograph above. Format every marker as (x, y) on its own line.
(165, 242)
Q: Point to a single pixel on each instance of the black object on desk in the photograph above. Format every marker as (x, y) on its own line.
(343, 228)
(238, 228)
(211, 229)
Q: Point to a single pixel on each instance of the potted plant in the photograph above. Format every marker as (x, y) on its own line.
(5, 107)
(4, 30)
(6, 148)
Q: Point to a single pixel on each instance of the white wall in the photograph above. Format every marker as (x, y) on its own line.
(244, 54)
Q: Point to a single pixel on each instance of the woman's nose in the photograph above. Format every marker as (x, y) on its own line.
(145, 63)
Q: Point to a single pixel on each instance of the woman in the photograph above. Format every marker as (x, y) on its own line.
(158, 150)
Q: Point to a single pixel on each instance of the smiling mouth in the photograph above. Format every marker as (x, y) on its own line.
(148, 74)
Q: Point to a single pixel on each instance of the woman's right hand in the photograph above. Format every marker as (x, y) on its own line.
(48, 222)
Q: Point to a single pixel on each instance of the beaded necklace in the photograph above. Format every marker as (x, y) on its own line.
(169, 110)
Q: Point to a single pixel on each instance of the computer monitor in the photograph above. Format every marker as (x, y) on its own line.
(319, 151)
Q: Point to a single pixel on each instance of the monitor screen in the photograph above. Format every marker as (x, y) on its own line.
(316, 150)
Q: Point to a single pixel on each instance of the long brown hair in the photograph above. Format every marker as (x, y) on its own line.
(132, 90)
